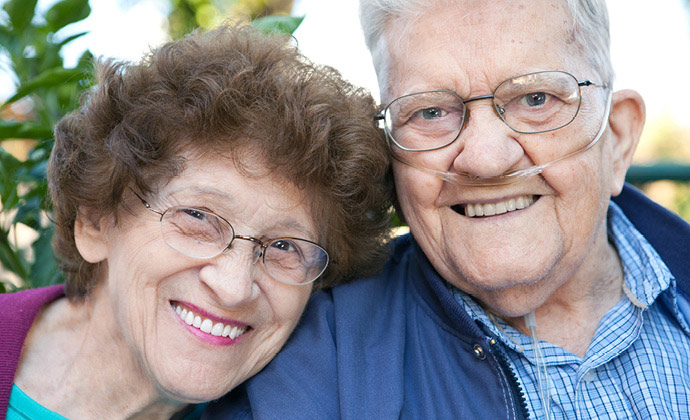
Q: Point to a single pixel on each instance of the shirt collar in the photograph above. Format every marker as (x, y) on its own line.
(646, 275)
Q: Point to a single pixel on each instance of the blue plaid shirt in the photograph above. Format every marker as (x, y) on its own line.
(638, 363)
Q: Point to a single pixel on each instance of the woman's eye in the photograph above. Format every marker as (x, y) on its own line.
(283, 246)
(195, 214)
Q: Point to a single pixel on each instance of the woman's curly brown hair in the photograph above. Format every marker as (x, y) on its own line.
(228, 90)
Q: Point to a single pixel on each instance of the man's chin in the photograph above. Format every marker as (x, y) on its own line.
(506, 294)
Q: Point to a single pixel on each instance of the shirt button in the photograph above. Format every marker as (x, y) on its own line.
(479, 352)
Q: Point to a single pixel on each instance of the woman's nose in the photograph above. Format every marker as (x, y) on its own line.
(231, 276)
(488, 146)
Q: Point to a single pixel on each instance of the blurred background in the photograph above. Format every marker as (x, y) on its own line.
(46, 47)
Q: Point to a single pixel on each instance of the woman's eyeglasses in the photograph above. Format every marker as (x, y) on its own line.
(203, 234)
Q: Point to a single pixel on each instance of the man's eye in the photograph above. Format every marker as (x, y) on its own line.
(431, 113)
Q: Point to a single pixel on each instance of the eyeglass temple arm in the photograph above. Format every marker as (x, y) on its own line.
(145, 203)
(588, 82)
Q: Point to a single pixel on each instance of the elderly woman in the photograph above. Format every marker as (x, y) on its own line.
(198, 197)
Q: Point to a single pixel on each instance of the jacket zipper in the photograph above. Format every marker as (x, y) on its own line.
(513, 383)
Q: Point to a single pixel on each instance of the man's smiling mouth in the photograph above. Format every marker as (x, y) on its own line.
(493, 209)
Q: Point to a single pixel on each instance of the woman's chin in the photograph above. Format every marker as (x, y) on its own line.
(194, 392)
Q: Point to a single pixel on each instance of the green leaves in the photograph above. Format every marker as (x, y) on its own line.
(278, 23)
(11, 130)
(49, 78)
(50, 91)
(65, 12)
(20, 12)
(13, 260)
(22, 190)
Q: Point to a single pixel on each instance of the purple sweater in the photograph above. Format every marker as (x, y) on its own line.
(19, 311)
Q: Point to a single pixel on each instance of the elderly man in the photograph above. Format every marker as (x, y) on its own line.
(522, 291)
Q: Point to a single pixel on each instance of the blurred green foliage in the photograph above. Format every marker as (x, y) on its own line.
(186, 15)
(45, 91)
(666, 141)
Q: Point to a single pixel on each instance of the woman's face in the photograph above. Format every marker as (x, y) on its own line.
(147, 280)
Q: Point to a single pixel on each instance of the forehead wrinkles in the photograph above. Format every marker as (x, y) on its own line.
(493, 31)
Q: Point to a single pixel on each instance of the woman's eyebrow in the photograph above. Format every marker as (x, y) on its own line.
(225, 202)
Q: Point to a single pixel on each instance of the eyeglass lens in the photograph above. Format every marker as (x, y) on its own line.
(531, 103)
(201, 234)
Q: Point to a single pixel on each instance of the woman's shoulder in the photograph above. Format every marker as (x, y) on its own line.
(25, 304)
(32, 297)
(20, 310)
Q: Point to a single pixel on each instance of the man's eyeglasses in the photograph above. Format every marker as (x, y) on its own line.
(531, 103)
(203, 234)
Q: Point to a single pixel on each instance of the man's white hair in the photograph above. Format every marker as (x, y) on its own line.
(589, 31)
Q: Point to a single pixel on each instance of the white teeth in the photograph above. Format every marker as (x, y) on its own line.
(491, 209)
(501, 207)
(217, 329)
(520, 203)
(226, 330)
(206, 326)
(237, 331)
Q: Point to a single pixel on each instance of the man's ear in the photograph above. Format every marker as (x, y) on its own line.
(626, 121)
(90, 235)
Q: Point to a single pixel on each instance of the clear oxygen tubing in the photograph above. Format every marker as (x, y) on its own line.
(464, 178)
(543, 383)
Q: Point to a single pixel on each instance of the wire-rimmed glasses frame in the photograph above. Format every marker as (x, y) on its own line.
(287, 260)
(561, 85)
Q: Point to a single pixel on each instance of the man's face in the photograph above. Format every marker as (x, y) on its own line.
(515, 260)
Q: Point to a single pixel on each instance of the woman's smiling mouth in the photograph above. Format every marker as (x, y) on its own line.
(493, 209)
(206, 325)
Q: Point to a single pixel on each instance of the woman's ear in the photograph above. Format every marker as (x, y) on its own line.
(90, 235)
(626, 121)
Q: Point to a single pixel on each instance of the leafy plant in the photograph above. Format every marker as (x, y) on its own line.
(49, 90)
(186, 15)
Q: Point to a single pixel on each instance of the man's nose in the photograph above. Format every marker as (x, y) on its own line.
(231, 276)
(488, 147)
